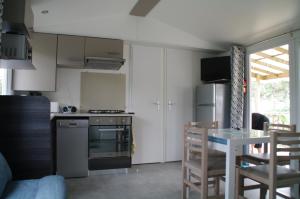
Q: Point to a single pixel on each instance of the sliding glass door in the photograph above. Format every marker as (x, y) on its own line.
(269, 87)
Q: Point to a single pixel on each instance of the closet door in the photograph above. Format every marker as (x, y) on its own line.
(183, 74)
(147, 103)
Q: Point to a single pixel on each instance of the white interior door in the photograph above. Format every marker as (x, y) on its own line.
(147, 103)
(182, 77)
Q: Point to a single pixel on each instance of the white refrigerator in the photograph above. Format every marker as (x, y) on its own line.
(213, 104)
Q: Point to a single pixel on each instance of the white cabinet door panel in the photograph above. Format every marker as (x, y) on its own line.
(147, 104)
(182, 78)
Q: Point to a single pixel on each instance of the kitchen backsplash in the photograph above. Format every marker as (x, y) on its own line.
(102, 91)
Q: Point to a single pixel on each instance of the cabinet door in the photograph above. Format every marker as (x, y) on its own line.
(147, 104)
(44, 60)
(182, 77)
(98, 47)
(70, 51)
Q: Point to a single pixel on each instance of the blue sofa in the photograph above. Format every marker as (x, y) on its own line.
(49, 187)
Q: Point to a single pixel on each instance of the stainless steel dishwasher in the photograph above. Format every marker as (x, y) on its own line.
(72, 147)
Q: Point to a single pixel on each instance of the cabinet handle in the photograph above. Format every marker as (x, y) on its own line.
(157, 103)
(170, 104)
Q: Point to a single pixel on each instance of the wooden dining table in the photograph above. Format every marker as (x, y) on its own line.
(232, 141)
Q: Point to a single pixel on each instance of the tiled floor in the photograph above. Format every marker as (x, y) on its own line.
(151, 181)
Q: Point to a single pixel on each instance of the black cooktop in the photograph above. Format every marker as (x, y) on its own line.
(101, 111)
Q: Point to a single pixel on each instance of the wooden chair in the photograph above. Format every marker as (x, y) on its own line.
(271, 175)
(212, 153)
(197, 169)
(264, 158)
(208, 125)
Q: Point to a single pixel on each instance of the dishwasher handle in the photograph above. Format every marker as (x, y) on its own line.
(116, 129)
(74, 123)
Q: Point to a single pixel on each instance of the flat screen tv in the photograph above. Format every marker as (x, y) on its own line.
(216, 69)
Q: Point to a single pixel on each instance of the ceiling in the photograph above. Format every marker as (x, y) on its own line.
(210, 24)
(270, 64)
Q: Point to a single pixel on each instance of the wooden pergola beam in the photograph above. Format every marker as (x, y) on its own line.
(275, 76)
(261, 70)
(272, 57)
(268, 77)
(269, 65)
(256, 76)
(282, 50)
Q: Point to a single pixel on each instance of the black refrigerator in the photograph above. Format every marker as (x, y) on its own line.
(26, 140)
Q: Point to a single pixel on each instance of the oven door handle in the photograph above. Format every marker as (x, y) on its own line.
(116, 129)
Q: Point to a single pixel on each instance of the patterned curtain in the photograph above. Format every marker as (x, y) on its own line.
(1, 13)
(237, 81)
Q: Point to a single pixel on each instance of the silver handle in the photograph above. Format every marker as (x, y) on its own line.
(73, 124)
(170, 104)
(117, 129)
(157, 103)
(69, 125)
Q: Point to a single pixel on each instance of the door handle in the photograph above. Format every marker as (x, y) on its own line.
(157, 103)
(170, 104)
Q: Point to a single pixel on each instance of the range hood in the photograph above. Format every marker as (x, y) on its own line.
(15, 41)
(104, 63)
(17, 17)
(103, 54)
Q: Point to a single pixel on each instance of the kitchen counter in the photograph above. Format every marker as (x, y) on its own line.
(54, 115)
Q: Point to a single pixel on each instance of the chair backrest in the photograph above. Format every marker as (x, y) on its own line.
(196, 140)
(279, 127)
(283, 142)
(258, 121)
(209, 125)
(283, 128)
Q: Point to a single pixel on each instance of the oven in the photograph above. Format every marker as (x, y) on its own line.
(110, 139)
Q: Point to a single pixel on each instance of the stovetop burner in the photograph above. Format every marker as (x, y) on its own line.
(101, 111)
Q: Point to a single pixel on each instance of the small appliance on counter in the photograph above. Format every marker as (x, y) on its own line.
(68, 109)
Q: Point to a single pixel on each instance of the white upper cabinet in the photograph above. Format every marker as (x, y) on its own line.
(70, 51)
(44, 59)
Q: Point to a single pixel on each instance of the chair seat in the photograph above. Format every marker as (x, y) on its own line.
(215, 166)
(262, 171)
(260, 158)
(216, 153)
(265, 158)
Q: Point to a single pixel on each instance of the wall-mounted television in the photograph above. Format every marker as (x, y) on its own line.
(216, 69)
